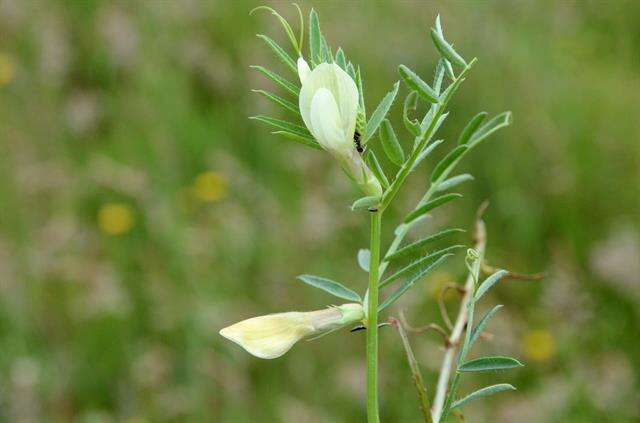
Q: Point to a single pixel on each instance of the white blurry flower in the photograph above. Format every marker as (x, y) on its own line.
(303, 70)
(329, 107)
(273, 335)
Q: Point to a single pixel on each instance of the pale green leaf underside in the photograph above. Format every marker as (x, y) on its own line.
(484, 364)
(419, 264)
(446, 164)
(425, 153)
(390, 143)
(364, 257)
(489, 390)
(471, 127)
(488, 283)
(454, 181)
(475, 333)
(436, 202)
(419, 245)
(500, 121)
(395, 295)
(332, 287)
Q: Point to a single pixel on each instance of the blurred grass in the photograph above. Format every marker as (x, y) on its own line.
(142, 210)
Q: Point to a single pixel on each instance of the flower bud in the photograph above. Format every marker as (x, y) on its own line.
(329, 107)
(273, 335)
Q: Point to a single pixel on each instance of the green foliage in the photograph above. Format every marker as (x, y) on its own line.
(379, 113)
(454, 181)
(426, 152)
(438, 77)
(342, 62)
(365, 203)
(415, 83)
(374, 165)
(136, 119)
(471, 128)
(488, 283)
(485, 364)
(404, 287)
(418, 246)
(332, 287)
(444, 167)
(280, 53)
(430, 205)
(445, 49)
(290, 130)
(475, 334)
(410, 103)
(498, 122)
(417, 264)
(285, 26)
(289, 86)
(390, 143)
(484, 392)
(282, 102)
(315, 39)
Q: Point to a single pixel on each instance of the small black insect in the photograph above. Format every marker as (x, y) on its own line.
(356, 141)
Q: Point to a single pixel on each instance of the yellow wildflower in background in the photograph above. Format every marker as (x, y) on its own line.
(7, 69)
(210, 187)
(539, 345)
(115, 218)
(437, 282)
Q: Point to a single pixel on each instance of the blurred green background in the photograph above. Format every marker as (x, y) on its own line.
(142, 211)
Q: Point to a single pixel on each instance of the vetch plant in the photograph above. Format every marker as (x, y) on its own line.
(325, 97)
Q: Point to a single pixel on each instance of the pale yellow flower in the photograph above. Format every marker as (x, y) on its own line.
(115, 218)
(7, 69)
(539, 345)
(329, 107)
(273, 335)
(210, 187)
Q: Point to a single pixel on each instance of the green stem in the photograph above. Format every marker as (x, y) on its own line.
(372, 320)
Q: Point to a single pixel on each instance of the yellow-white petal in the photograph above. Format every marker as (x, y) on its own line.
(303, 69)
(326, 123)
(273, 335)
(269, 336)
(344, 91)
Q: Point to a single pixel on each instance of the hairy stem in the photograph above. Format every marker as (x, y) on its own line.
(372, 320)
(440, 409)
